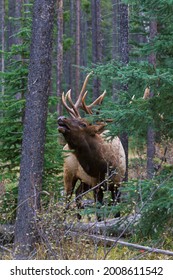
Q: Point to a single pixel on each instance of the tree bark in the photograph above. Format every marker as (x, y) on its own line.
(124, 33)
(124, 58)
(84, 31)
(96, 42)
(59, 53)
(78, 30)
(10, 24)
(2, 12)
(31, 168)
(115, 37)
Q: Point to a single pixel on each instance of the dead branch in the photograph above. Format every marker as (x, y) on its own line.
(110, 240)
(5, 249)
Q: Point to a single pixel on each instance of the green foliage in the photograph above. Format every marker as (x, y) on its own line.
(129, 111)
(8, 202)
(86, 6)
(12, 104)
(157, 217)
(67, 43)
(153, 200)
(131, 106)
(53, 180)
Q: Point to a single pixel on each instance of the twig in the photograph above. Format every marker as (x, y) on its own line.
(5, 249)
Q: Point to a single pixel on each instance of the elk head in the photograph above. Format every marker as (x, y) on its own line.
(76, 131)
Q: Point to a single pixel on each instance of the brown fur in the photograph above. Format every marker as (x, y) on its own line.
(92, 155)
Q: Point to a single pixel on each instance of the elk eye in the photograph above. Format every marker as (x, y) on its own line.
(83, 124)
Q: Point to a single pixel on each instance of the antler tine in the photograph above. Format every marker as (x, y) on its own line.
(79, 100)
(71, 103)
(98, 101)
(84, 106)
(72, 113)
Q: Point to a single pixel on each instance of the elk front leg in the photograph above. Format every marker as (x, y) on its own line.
(82, 188)
(116, 198)
(69, 185)
(98, 197)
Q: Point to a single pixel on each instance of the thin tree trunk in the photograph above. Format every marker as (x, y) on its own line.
(151, 132)
(78, 30)
(96, 42)
(31, 168)
(83, 40)
(150, 151)
(71, 53)
(59, 53)
(10, 26)
(124, 33)
(17, 39)
(124, 58)
(2, 43)
(115, 30)
(115, 27)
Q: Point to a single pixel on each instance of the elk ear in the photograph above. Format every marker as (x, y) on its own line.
(96, 129)
(100, 128)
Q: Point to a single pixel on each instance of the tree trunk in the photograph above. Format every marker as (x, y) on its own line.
(115, 38)
(84, 31)
(59, 53)
(71, 56)
(17, 40)
(115, 4)
(2, 14)
(124, 58)
(78, 30)
(31, 167)
(151, 132)
(96, 42)
(10, 27)
(124, 33)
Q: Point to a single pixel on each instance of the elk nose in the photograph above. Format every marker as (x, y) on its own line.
(61, 118)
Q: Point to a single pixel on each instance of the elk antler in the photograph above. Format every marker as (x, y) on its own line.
(80, 103)
(98, 101)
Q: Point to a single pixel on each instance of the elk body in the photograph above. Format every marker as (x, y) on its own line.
(92, 156)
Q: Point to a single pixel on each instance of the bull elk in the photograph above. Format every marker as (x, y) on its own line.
(92, 156)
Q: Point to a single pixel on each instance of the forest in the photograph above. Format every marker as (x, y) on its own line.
(55, 57)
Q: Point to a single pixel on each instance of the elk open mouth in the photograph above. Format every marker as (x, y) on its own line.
(62, 126)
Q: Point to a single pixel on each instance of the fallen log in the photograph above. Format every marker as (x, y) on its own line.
(112, 227)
